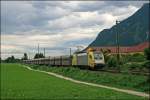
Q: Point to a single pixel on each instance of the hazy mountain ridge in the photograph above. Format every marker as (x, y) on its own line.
(132, 30)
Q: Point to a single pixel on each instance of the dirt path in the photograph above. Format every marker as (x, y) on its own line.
(92, 84)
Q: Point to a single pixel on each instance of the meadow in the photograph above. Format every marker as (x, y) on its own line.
(18, 82)
(120, 80)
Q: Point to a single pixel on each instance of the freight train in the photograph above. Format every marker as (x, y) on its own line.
(90, 59)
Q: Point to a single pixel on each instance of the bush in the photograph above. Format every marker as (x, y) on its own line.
(112, 62)
(123, 60)
(147, 53)
(136, 54)
(35, 66)
(136, 57)
(146, 64)
(134, 66)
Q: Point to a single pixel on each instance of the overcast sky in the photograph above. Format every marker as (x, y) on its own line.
(57, 25)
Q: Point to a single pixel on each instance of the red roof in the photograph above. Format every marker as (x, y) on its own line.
(126, 49)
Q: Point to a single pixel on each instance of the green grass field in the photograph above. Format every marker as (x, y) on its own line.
(120, 80)
(18, 82)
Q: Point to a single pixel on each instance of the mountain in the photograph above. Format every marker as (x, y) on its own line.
(132, 30)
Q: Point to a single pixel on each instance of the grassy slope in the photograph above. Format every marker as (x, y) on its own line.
(127, 81)
(18, 83)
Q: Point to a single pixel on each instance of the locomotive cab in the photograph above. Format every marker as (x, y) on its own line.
(95, 60)
(99, 61)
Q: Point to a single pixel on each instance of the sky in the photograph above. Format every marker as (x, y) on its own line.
(57, 25)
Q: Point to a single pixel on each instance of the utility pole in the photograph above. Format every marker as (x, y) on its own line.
(38, 48)
(117, 44)
(38, 52)
(70, 56)
(28, 57)
(149, 39)
(70, 52)
(44, 52)
(148, 36)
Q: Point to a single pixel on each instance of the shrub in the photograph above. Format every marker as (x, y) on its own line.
(147, 53)
(136, 57)
(123, 60)
(135, 66)
(112, 62)
(128, 57)
(136, 54)
(146, 64)
(35, 66)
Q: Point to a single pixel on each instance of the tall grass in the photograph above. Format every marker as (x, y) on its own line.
(128, 81)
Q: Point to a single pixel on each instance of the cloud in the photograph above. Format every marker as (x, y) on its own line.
(14, 14)
(58, 25)
(80, 19)
(27, 16)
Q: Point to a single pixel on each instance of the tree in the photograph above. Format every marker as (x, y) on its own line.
(112, 62)
(25, 57)
(1, 59)
(147, 53)
(10, 59)
(40, 55)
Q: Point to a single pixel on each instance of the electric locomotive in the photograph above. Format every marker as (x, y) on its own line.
(91, 59)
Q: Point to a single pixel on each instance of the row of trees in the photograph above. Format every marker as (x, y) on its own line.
(37, 55)
(40, 55)
(12, 59)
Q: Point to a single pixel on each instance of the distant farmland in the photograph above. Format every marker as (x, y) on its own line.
(18, 82)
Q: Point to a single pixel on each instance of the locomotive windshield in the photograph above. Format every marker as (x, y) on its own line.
(98, 56)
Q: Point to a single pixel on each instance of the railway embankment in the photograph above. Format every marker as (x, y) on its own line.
(119, 80)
